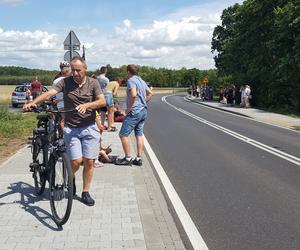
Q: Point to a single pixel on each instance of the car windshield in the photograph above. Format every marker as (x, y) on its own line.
(20, 89)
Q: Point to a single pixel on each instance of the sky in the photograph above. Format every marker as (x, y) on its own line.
(157, 33)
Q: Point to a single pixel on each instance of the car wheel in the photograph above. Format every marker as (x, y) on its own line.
(15, 105)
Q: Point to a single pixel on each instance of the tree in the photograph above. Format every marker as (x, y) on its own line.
(257, 44)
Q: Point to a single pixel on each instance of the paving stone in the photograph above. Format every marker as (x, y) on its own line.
(130, 211)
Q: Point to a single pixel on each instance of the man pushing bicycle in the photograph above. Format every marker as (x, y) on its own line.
(81, 134)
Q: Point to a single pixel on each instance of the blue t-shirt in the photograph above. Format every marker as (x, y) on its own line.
(140, 100)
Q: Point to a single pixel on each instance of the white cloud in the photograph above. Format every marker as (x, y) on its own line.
(28, 49)
(169, 43)
(181, 39)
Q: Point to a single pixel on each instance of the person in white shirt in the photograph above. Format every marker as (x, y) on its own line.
(59, 98)
(247, 96)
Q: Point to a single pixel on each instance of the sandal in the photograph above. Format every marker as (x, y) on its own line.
(112, 129)
(98, 164)
(111, 159)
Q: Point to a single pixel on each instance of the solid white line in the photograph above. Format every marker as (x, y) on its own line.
(194, 236)
(248, 140)
(245, 117)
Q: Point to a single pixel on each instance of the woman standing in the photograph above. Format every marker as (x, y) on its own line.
(111, 92)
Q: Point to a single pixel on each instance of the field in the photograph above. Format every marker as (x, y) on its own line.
(6, 90)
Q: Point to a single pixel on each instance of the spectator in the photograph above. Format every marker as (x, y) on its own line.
(118, 114)
(243, 97)
(103, 81)
(64, 72)
(111, 92)
(138, 94)
(237, 95)
(59, 97)
(36, 88)
(61, 66)
(247, 96)
(230, 95)
(221, 94)
(210, 93)
(28, 94)
(198, 91)
(189, 90)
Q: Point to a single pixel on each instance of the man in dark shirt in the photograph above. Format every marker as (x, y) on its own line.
(81, 134)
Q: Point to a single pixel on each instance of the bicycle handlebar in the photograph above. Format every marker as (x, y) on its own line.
(45, 107)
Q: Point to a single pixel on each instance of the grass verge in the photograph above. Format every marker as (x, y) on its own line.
(14, 130)
(14, 125)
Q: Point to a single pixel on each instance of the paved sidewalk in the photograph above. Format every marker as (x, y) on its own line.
(257, 114)
(130, 210)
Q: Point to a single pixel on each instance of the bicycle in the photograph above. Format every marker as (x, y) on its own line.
(50, 162)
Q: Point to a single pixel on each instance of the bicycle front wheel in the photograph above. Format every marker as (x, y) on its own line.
(61, 188)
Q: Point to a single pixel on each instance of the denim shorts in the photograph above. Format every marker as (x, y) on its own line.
(109, 99)
(134, 122)
(82, 142)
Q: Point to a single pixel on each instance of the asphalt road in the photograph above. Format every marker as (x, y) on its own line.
(238, 195)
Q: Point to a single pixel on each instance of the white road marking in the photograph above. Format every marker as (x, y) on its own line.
(193, 234)
(253, 142)
(245, 117)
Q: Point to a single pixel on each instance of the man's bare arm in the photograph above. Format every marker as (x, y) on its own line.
(148, 94)
(43, 97)
(132, 96)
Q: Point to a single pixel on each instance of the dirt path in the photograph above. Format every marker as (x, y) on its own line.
(9, 146)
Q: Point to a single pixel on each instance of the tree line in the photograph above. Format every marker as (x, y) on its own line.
(156, 77)
(258, 43)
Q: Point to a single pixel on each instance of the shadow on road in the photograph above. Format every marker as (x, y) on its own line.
(27, 200)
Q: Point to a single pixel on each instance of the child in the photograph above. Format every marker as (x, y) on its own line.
(103, 152)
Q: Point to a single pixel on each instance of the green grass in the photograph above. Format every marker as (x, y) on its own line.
(283, 112)
(15, 125)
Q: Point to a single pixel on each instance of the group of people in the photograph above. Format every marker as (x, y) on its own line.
(231, 95)
(205, 92)
(110, 90)
(82, 129)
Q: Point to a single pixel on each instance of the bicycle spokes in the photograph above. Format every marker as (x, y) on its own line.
(61, 191)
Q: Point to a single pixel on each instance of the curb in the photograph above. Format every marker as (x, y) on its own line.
(21, 150)
(183, 235)
(189, 234)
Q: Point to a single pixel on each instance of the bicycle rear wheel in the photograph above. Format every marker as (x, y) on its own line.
(61, 188)
(40, 155)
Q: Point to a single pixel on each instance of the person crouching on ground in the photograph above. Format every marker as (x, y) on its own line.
(138, 94)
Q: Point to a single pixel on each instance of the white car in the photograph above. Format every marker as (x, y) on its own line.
(18, 96)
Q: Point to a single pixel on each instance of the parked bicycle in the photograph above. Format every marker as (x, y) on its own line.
(50, 162)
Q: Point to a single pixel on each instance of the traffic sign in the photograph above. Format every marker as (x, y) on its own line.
(71, 41)
(67, 56)
(73, 47)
